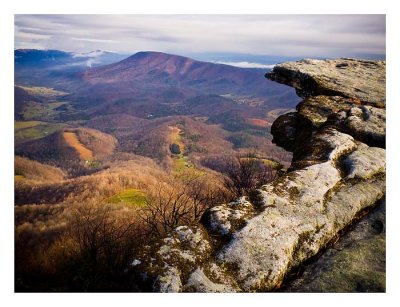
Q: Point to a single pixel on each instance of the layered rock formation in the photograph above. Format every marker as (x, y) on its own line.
(337, 137)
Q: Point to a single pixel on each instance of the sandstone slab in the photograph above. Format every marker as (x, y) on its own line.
(360, 79)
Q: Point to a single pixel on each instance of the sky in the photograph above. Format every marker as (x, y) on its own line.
(322, 36)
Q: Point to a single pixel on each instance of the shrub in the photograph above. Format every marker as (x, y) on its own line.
(175, 149)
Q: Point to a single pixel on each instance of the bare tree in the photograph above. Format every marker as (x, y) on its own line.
(103, 243)
(204, 191)
(246, 173)
(166, 208)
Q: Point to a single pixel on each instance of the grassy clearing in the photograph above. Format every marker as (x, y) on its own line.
(72, 140)
(35, 110)
(46, 92)
(31, 130)
(267, 162)
(46, 111)
(133, 197)
(39, 111)
(28, 124)
(180, 161)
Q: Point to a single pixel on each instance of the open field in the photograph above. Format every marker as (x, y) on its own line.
(45, 92)
(133, 197)
(28, 124)
(30, 130)
(72, 140)
(47, 111)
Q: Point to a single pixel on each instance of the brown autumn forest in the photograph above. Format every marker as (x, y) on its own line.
(105, 166)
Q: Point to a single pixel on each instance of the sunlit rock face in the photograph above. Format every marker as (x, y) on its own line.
(337, 137)
(363, 81)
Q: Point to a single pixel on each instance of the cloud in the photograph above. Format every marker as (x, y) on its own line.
(247, 64)
(93, 54)
(96, 40)
(285, 35)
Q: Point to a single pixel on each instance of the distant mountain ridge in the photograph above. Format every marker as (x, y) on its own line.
(157, 64)
(54, 58)
(152, 84)
(159, 70)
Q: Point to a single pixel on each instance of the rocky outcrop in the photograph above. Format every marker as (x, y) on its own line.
(345, 93)
(362, 81)
(337, 137)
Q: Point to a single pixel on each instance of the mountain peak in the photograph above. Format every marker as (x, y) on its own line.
(143, 54)
(161, 69)
(158, 58)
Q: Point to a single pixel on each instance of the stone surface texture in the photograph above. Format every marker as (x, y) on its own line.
(358, 79)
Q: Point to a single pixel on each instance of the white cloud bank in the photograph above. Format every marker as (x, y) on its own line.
(283, 35)
(247, 64)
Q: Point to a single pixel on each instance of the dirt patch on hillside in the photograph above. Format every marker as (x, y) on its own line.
(72, 140)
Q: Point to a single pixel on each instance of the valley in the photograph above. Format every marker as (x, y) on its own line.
(167, 90)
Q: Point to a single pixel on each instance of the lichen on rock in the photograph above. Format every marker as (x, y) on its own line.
(365, 162)
(224, 219)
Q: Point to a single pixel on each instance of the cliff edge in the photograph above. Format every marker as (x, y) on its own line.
(337, 137)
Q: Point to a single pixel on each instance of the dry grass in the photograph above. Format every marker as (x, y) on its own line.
(26, 124)
(46, 92)
(175, 137)
(72, 140)
(258, 122)
(101, 144)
